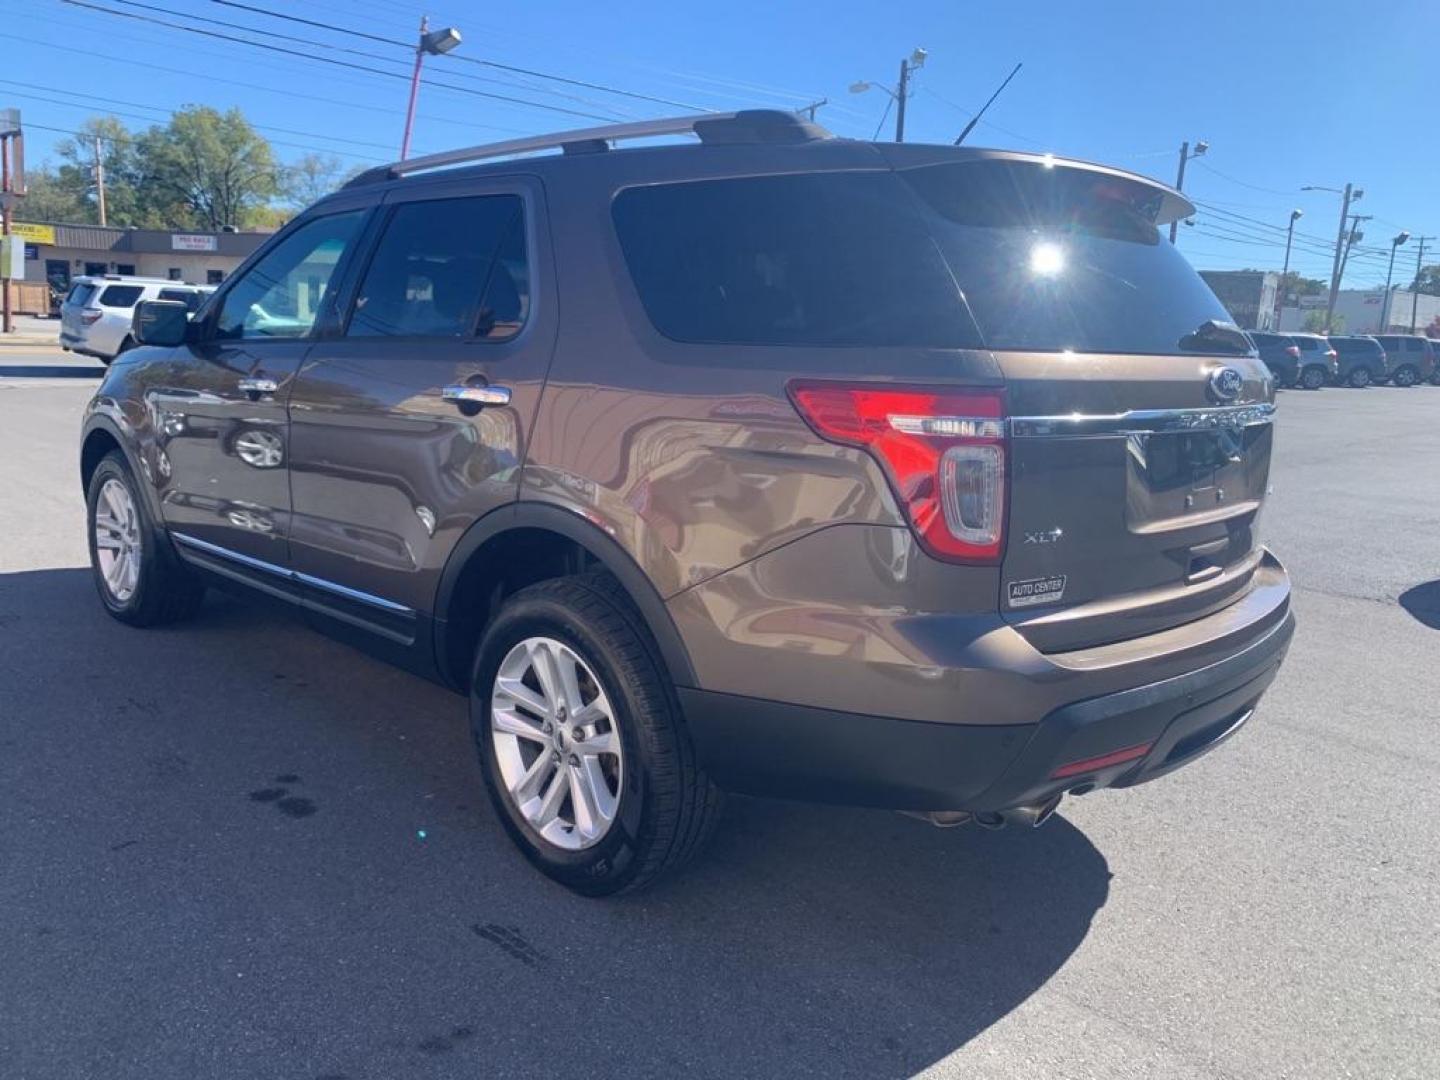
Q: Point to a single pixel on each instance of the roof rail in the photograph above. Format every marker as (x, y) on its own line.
(744, 126)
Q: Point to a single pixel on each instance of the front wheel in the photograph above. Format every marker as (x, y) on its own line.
(1312, 378)
(581, 740)
(139, 579)
(1405, 376)
(1360, 378)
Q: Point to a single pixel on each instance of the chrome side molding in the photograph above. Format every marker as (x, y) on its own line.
(195, 543)
(1140, 421)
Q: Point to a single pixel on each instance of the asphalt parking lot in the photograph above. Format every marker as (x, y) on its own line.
(237, 849)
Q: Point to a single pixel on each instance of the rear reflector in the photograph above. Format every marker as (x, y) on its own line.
(942, 451)
(1104, 761)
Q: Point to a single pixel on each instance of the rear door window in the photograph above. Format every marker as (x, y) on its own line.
(812, 259)
(80, 294)
(120, 296)
(447, 268)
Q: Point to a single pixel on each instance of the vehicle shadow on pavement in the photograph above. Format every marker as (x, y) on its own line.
(1423, 602)
(289, 841)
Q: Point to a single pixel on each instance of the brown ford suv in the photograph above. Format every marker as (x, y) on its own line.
(895, 475)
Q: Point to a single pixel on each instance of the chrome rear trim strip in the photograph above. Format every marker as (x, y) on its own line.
(1140, 421)
(291, 575)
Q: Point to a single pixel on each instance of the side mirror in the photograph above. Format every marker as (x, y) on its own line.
(160, 322)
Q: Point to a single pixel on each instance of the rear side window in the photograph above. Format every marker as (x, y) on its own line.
(189, 297)
(1058, 258)
(817, 259)
(448, 268)
(120, 296)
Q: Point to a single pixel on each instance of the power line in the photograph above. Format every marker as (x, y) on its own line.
(289, 94)
(334, 62)
(107, 102)
(466, 59)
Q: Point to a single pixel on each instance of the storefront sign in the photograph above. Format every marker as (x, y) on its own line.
(32, 233)
(192, 242)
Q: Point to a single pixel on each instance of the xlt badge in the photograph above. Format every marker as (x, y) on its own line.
(1044, 536)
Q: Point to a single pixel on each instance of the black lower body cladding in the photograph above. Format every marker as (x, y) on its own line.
(793, 751)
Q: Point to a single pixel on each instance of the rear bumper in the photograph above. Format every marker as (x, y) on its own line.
(825, 755)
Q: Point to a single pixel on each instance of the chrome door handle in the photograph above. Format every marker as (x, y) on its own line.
(257, 385)
(477, 395)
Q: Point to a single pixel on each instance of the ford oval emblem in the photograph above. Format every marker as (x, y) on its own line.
(1226, 384)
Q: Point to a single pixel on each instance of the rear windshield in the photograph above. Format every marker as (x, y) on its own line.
(1064, 259)
(1340, 344)
(1006, 255)
(1269, 339)
(80, 294)
(120, 296)
(1309, 344)
(810, 259)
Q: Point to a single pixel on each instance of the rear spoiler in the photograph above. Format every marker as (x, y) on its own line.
(1173, 205)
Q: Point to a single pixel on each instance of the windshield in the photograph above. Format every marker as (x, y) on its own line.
(1056, 258)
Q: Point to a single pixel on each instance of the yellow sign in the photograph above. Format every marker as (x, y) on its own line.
(33, 234)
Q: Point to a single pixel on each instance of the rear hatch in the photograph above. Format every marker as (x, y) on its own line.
(1140, 432)
(72, 307)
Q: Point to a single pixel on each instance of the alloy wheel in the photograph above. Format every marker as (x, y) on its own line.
(556, 743)
(117, 540)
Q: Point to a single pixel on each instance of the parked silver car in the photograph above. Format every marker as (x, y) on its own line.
(96, 314)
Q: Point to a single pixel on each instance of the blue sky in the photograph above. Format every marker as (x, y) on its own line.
(1286, 94)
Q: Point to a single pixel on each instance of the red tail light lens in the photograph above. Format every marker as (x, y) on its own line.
(1293, 350)
(88, 317)
(943, 453)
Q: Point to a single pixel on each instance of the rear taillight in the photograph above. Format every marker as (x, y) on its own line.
(1104, 761)
(943, 453)
(1293, 350)
(88, 317)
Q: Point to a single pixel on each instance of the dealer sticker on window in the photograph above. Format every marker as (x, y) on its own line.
(1031, 591)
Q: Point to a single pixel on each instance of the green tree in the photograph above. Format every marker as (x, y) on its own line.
(1428, 281)
(313, 177)
(206, 169)
(48, 199)
(76, 172)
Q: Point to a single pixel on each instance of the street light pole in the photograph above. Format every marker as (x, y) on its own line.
(434, 42)
(1390, 270)
(899, 95)
(1295, 215)
(1185, 155)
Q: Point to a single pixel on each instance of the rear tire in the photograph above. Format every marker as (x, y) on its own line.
(648, 806)
(1359, 378)
(1406, 375)
(1312, 378)
(138, 576)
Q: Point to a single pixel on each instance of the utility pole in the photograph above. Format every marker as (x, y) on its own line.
(1185, 155)
(812, 108)
(1295, 215)
(1351, 240)
(12, 186)
(900, 100)
(1346, 197)
(100, 181)
(1415, 285)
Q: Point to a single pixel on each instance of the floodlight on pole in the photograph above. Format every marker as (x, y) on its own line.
(434, 43)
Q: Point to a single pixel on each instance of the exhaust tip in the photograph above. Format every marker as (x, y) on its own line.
(990, 819)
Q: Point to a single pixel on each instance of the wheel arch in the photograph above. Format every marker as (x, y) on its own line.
(549, 542)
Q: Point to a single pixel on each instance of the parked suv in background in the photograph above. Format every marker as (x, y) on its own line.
(96, 314)
(1319, 362)
(1281, 355)
(1412, 358)
(1362, 360)
(693, 468)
